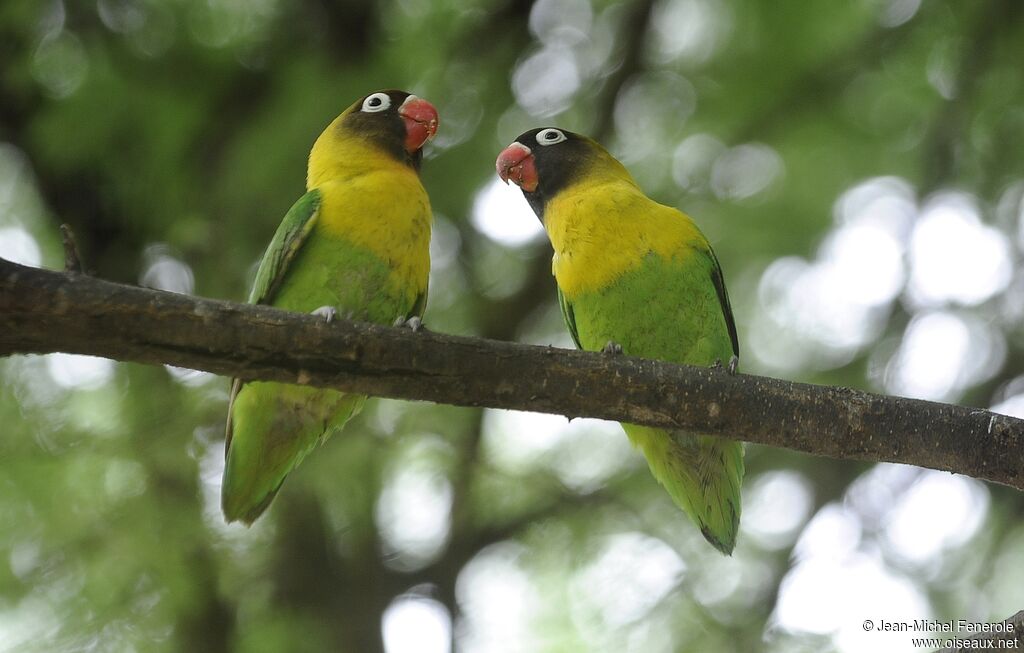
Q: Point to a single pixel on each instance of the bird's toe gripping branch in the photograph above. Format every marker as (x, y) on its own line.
(329, 313)
(414, 323)
(730, 367)
(612, 348)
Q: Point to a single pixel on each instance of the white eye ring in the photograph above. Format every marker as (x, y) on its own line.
(550, 136)
(376, 102)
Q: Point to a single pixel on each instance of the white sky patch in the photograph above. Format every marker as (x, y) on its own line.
(414, 512)
(590, 451)
(896, 12)
(498, 601)
(692, 161)
(718, 580)
(828, 596)
(166, 272)
(1009, 210)
(954, 256)
(79, 372)
(865, 261)
(1020, 223)
(941, 354)
(873, 494)
(834, 587)
(516, 441)
(839, 582)
(501, 213)
(834, 531)
(1012, 406)
(820, 313)
(445, 242)
(630, 575)
(888, 199)
(809, 320)
(1007, 587)
(939, 512)
(941, 69)
(545, 82)
(651, 109)
(413, 624)
(123, 479)
(557, 22)
(775, 506)
(745, 170)
(189, 377)
(60, 64)
(18, 245)
(690, 30)
(29, 622)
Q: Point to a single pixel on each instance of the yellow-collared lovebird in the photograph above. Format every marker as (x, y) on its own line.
(637, 277)
(356, 244)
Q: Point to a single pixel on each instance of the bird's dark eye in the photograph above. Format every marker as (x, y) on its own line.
(550, 136)
(376, 102)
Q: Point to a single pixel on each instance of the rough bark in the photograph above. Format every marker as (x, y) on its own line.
(43, 311)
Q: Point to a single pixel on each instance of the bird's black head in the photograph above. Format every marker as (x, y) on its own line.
(544, 161)
(398, 122)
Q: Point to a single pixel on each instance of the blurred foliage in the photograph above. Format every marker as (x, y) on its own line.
(858, 166)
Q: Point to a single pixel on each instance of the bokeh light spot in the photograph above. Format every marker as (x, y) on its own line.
(954, 257)
(415, 624)
(19, 246)
(501, 213)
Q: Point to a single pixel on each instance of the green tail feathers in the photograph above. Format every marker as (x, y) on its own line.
(273, 426)
(244, 506)
(702, 474)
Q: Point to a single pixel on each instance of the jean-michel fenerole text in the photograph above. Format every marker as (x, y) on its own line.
(954, 626)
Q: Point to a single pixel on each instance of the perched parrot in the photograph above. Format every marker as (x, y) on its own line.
(637, 277)
(356, 244)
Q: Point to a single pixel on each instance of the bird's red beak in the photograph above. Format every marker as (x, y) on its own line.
(420, 119)
(515, 164)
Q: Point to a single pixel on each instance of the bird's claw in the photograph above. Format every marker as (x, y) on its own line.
(329, 313)
(612, 348)
(413, 323)
(731, 367)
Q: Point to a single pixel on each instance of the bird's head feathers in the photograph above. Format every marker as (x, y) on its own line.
(547, 160)
(393, 123)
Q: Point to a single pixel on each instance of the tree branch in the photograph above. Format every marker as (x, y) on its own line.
(43, 311)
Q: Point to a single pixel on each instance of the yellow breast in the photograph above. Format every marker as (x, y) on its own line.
(602, 230)
(373, 201)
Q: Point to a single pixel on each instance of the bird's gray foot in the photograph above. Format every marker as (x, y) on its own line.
(612, 348)
(731, 367)
(414, 323)
(329, 313)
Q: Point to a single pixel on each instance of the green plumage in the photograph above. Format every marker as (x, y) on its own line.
(358, 243)
(638, 274)
(670, 310)
(282, 423)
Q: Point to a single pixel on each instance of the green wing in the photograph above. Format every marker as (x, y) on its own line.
(723, 299)
(288, 240)
(569, 317)
(717, 280)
